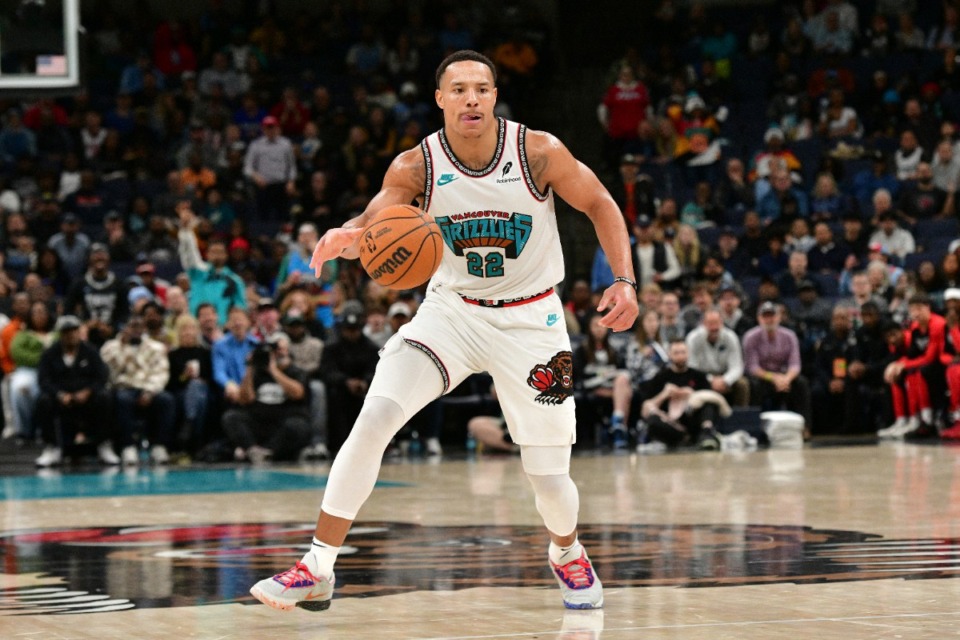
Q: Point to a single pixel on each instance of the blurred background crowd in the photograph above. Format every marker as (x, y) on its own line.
(801, 154)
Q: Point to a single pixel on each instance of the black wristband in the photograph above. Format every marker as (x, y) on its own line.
(632, 283)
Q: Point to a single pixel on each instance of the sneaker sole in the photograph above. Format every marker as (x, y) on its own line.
(583, 605)
(308, 605)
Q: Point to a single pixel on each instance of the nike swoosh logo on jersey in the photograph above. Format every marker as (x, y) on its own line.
(552, 319)
(446, 178)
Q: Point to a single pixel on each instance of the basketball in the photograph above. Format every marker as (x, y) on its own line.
(401, 247)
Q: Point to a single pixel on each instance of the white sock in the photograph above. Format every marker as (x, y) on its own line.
(320, 558)
(563, 555)
(926, 415)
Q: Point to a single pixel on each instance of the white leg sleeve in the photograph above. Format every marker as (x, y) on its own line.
(402, 373)
(355, 470)
(558, 502)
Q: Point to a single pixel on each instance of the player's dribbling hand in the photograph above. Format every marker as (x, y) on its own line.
(334, 244)
(620, 303)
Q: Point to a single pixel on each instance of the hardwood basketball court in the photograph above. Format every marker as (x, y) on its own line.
(852, 542)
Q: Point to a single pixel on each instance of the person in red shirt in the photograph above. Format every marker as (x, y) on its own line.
(909, 375)
(625, 116)
(950, 358)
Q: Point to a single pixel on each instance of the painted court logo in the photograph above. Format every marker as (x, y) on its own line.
(159, 567)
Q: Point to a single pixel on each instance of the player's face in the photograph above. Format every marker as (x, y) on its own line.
(467, 96)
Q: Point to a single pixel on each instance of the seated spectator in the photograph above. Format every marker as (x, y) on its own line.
(644, 356)
(774, 154)
(346, 369)
(602, 383)
(891, 239)
(872, 355)
(715, 350)
(99, 298)
(114, 235)
(798, 237)
(196, 177)
(73, 397)
(672, 326)
(686, 246)
(702, 210)
(191, 380)
(210, 332)
(306, 353)
(71, 246)
(868, 181)
(728, 303)
(701, 301)
(826, 201)
(271, 419)
(917, 368)
(212, 280)
(784, 201)
(839, 122)
(835, 395)
(771, 356)
(854, 239)
(139, 372)
(908, 156)
(797, 273)
(825, 256)
(862, 293)
(670, 415)
(923, 200)
(634, 192)
(26, 349)
(653, 261)
(734, 191)
(829, 35)
(775, 261)
(945, 167)
(698, 149)
(230, 354)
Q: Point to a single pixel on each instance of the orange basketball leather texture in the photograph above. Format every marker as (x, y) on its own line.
(401, 247)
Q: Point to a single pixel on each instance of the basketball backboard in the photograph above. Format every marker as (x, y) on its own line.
(39, 44)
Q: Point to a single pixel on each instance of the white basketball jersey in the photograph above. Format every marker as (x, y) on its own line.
(500, 231)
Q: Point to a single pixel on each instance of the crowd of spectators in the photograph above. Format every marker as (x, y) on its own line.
(799, 171)
(789, 187)
(156, 226)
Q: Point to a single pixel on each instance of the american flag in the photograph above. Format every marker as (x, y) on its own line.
(51, 65)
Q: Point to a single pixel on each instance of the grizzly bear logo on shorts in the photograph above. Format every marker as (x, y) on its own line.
(553, 380)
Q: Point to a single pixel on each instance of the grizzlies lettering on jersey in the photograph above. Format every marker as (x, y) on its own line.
(509, 248)
(509, 231)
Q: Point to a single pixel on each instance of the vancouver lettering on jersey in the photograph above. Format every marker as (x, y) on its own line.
(508, 231)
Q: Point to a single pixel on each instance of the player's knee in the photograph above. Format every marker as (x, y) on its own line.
(379, 418)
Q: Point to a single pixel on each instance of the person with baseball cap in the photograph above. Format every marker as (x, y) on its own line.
(771, 355)
(73, 396)
(272, 168)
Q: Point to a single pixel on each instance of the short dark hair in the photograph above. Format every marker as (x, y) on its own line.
(152, 304)
(462, 55)
(204, 305)
(919, 298)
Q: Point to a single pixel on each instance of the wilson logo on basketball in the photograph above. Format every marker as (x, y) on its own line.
(197, 565)
(391, 264)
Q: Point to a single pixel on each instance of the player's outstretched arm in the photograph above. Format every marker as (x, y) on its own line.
(402, 184)
(553, 165)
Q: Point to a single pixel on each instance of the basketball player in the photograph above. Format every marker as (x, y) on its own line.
(491, 306)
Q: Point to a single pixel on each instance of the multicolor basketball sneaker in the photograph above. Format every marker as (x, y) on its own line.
(579, 584)
(296, 587)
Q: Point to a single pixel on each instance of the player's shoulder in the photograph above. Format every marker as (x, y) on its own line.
(409, 167)
(542, 142)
